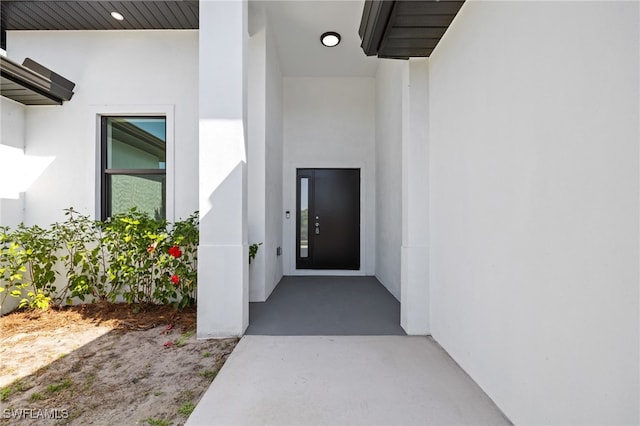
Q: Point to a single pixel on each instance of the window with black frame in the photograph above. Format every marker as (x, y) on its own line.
(134, 165)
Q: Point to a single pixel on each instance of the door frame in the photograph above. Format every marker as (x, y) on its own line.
(289, 226)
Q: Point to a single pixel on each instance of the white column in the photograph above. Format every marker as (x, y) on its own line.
(223, 304)
(414, 276)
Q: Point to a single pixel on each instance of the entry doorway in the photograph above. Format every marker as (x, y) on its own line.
(328, 219)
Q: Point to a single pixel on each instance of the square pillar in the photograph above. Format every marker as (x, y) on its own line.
(223, 304)
(414, 273)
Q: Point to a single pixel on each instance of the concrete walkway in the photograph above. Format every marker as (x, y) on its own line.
(343, 380)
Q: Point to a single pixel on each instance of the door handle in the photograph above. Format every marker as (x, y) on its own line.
(317, 228)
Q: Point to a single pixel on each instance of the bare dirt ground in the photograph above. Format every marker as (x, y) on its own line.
(104, 364)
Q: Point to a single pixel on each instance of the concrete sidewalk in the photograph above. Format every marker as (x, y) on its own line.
(343, 380)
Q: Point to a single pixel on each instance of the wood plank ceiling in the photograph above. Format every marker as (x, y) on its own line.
(402, 29)
(96, 15)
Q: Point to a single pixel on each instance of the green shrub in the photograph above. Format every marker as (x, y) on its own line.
(130, 256)
(84, 258)
(151, 262)
(27, 260)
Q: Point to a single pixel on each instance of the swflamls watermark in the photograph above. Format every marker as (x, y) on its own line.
(35, 413)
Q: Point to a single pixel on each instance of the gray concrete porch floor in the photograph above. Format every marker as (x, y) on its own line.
(343, 380)
(326, 306)
(330, 351)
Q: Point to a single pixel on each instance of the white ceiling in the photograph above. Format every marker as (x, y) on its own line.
(297, 26)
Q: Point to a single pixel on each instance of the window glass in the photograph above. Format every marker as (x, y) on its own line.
(145, 192)
(136, 143)
(134, 173)
(304, 217)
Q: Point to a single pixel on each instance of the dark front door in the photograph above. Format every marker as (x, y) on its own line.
(328, 219)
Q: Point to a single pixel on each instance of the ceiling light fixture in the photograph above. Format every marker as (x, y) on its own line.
(330, 39)
(117, 16)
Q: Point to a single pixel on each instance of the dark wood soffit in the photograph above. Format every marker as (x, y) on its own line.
(401, 29)
(96, 15)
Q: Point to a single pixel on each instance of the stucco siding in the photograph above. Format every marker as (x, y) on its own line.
(534, 206)
(126, 71)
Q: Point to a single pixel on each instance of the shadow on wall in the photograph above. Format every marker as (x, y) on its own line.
(223, 259)
(223, 222)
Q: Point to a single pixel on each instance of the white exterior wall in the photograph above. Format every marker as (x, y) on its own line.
(389, 93)
(12, 135)
(264, 158)
(114, 71)
(11, 209)
(534, 206)
(274, 216)
(401, 182)
(414, 310)
(330, 122)
(256, 171)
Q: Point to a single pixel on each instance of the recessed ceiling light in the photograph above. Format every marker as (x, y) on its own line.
(117, 16)
(330, 39)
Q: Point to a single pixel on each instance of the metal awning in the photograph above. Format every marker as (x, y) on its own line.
(403, 29)
(33, 84)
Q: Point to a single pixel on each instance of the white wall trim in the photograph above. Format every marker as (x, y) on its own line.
(97, 111)
(289, 225)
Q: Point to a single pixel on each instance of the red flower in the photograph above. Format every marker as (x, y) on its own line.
(175, 279)
(175, 251)
(168, 344)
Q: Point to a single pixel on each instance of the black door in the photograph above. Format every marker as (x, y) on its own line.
(328, 219)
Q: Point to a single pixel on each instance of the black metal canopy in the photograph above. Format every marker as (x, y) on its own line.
(32, 83)
(402, 29)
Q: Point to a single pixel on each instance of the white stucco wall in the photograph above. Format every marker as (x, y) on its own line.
(534, 207)
(274, 160)
(264, 157)
(389, 90)
(11, 209)
(128, 71)
(414, 289)
(11, 135)
(256, 151)
(330, 122)
(12, 123)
